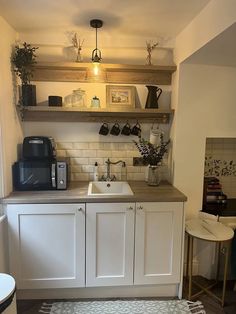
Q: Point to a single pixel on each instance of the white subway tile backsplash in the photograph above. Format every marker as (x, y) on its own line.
(75, 168)
(96, 159)
(80, 145)
(75, 153)
(64, 145)
(89, 153)
(87, 168)
(118, 153)
(61, 153)
(82, 157)
(80, 177)
(79, 161)
(96, 145)
(104, 153)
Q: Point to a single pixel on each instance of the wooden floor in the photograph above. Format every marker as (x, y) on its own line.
(211, 305)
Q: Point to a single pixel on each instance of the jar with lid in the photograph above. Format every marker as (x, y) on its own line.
(67, 101)
(95, 102)
(78, 98)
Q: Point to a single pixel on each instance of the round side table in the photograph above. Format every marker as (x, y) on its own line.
(212, 231)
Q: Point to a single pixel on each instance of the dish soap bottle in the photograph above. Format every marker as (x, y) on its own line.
(95, 174)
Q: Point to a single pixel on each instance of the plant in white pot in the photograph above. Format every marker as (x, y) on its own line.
(152, 155)
(24, 59)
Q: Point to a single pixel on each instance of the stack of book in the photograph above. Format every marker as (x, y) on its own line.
(213, 193)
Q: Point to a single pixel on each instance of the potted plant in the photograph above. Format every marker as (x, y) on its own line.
(23, 59)
(152, 155)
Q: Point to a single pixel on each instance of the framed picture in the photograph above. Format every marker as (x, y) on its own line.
(120, 96)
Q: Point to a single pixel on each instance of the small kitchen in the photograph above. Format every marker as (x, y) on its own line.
(195, 109)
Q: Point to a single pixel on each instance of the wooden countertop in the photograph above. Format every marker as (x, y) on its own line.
(77, 192)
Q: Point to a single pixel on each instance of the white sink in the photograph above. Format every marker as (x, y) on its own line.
(105, 188)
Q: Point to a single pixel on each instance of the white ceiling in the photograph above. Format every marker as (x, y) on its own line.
(127, 21)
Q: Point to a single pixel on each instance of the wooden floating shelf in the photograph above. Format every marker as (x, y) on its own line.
(110, 73)
(62, 114)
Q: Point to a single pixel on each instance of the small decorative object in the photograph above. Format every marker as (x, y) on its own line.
(95, 102)
(153, 155)
(77, 43)
(150, 47)
(55, 101)
(23, 59)
(78, 98)
(120, 97)
(154, 92)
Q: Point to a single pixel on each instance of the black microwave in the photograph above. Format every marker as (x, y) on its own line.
(38, 175)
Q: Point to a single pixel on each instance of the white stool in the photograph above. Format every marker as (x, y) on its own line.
(7, 294)
(213, 231)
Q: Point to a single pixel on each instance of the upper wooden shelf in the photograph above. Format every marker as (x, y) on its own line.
(111, 73)
(62, 114)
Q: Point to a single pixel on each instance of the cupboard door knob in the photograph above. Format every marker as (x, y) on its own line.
(80, 209)
(140, 207)
(130, 208)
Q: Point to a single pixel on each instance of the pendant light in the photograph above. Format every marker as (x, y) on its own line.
(96, 53)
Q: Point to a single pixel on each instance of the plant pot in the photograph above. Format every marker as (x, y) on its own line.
(154, 175)
(28, 95)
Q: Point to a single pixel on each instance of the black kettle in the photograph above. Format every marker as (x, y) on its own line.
(154, 92)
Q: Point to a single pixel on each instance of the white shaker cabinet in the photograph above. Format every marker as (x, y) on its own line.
(109, 244)
(158, 243)
(47, 245)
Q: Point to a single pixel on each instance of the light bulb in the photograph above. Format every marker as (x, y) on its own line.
(96, 68)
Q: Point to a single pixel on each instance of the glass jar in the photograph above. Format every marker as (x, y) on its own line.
(154, 175)
(78, 98)
(95, 102)
(67, 101)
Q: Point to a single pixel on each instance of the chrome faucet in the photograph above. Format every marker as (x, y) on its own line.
(108, 176)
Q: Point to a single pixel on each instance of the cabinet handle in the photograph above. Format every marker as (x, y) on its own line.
(80, 209)
(140, 207)
(129, 208)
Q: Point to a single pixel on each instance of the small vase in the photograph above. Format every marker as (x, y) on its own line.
(28, 95)
(154, 175)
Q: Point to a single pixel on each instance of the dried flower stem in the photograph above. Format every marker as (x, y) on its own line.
(77, 43)
(150, 47)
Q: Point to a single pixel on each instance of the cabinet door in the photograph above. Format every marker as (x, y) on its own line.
(109, 244)
(47, 245)
(158, 243)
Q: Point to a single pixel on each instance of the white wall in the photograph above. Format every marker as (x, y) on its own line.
(217, 16)
(206, 108)
(10, 133)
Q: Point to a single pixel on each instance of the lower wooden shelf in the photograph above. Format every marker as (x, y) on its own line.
(62, 114)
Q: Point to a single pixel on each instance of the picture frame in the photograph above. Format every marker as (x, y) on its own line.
(120, 96)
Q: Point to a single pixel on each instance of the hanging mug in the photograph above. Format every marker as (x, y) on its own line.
(126, 129)
(136, 129)
(115, 130)
(104, 129)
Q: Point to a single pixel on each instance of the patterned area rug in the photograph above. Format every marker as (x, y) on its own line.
(124, 307)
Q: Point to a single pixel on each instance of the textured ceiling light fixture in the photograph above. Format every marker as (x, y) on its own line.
(96, 54)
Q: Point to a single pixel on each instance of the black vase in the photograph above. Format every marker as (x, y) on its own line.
(28, 95)
(154, 92)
